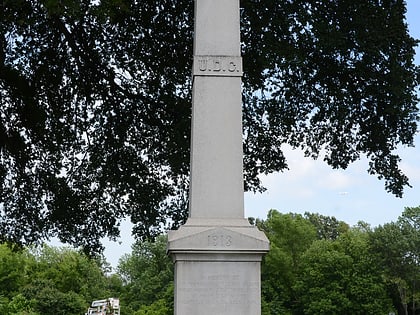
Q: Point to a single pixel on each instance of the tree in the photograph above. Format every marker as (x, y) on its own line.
(341, 277)
(63, 281)
(147, 274)
(51, 280)
(18, 305)
(397, 248)
(290, 235)
(66, 270)
(95, 105)
(13, 263)
(328, 228)
(11, 266)
(159, 307)
(48, 300)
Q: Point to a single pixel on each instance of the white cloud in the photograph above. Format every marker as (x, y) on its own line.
(336, 180)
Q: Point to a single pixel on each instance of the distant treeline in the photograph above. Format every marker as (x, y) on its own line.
(316, 265)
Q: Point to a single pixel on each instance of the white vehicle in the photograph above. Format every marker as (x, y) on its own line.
(109, 306)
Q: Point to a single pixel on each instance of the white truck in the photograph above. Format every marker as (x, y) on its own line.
(110, 306)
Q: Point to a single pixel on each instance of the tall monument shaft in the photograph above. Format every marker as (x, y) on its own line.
(217, 253)
(216, 151)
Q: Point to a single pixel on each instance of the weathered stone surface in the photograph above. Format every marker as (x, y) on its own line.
(216, 29)
(228, 286)
(216, 153)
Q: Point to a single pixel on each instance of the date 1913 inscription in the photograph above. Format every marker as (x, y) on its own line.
(219, 240)
(217, 66)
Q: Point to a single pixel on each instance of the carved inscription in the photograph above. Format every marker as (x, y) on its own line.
(219, 240)
(217, 66)
(220, 290)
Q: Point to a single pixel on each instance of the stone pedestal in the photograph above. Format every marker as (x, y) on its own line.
(217, 267)
(217, 253)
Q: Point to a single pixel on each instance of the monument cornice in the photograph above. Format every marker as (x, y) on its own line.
(218, 239)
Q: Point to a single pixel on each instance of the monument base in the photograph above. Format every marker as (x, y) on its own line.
(217, 267)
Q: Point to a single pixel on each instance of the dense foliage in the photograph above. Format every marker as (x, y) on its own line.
(347, 270)
(147, 274)
(51, 281)
(95, 105)
(355, 270)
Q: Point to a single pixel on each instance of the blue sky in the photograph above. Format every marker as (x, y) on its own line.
(350, 195)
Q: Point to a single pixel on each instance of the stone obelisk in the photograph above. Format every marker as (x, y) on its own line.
(217, 253)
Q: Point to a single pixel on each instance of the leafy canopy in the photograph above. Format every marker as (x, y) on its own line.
(95, 105)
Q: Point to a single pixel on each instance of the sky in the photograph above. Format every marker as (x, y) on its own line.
(350, 195)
